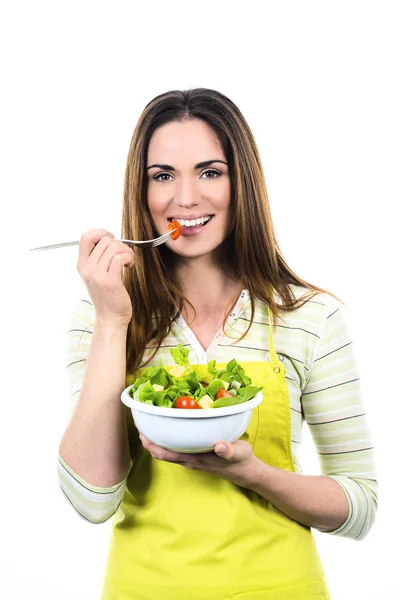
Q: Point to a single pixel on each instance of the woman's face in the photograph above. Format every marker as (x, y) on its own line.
(188, 181)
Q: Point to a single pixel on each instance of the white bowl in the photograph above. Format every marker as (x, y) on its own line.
(190, 430)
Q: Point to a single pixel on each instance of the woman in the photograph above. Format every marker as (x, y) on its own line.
(236, 522)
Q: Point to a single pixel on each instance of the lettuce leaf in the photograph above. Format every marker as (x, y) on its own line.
(180, 386)
(180, 355)
(160, 376)
(233, 372)
(213, 388)
(146, 393)
(163, 399)
(243, 395)
(192, 381)
(135, 386)
(248, 392)
(228, 401)
(206, 373)
(200, 393)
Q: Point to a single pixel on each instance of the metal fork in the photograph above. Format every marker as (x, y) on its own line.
(142, 243)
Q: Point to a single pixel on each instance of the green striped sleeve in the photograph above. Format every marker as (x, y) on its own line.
(79, 337)
(335, 413)
(94, 504)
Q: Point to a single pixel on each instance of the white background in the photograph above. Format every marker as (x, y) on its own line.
(318, 84)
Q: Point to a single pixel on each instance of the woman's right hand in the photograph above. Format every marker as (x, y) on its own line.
(100, 263)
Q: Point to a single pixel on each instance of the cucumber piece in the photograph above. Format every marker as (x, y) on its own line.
(235, 385)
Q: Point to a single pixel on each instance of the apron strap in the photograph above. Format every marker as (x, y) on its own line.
(272, 351)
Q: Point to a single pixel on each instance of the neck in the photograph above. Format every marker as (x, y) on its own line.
(205, 284)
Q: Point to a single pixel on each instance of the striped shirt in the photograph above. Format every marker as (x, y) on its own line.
(315, 344)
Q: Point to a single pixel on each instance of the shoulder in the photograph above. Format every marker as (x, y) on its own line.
(301, 331)
(316, 309)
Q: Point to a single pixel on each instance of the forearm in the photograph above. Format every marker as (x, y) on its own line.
(314, 500)
(95, 443)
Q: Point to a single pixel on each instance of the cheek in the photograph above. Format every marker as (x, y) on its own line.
(222, 196)
(156, 201)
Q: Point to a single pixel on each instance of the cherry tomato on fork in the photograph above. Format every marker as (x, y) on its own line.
(177, 226)
(186, 402)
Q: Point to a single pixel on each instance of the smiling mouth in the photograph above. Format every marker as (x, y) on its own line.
(187, 224)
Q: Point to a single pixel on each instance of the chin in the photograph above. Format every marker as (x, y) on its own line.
(195, 252)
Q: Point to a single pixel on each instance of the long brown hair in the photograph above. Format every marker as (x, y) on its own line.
(250, 255)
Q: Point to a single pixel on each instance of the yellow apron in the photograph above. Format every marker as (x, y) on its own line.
(189, 535)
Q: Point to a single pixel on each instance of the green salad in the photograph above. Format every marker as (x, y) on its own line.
(200, 386)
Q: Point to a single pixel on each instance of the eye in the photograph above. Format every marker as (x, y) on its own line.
(214, 172)
(156, 177)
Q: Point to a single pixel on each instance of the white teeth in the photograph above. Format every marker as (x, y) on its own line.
(193, 222)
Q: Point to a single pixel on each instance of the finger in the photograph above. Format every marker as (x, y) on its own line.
(226, 450)
(89, 241)
(118, 262)
(114, 249)
(89, 267)
(161, 453)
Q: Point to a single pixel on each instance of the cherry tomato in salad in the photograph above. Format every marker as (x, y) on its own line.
(186, 402)
(177, 226)
(223, 393)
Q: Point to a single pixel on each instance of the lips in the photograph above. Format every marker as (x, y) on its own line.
(191, 221)
(189, 217)
(194, 225)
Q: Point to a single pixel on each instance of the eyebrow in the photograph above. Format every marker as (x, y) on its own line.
(199, 165)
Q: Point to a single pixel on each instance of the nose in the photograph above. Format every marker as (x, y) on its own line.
(187, 193)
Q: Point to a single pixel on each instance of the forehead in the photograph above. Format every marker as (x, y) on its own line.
(185, 142)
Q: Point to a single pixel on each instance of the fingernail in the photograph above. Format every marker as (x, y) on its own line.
(221, 448)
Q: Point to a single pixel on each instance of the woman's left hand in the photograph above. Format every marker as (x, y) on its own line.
(235, 462)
